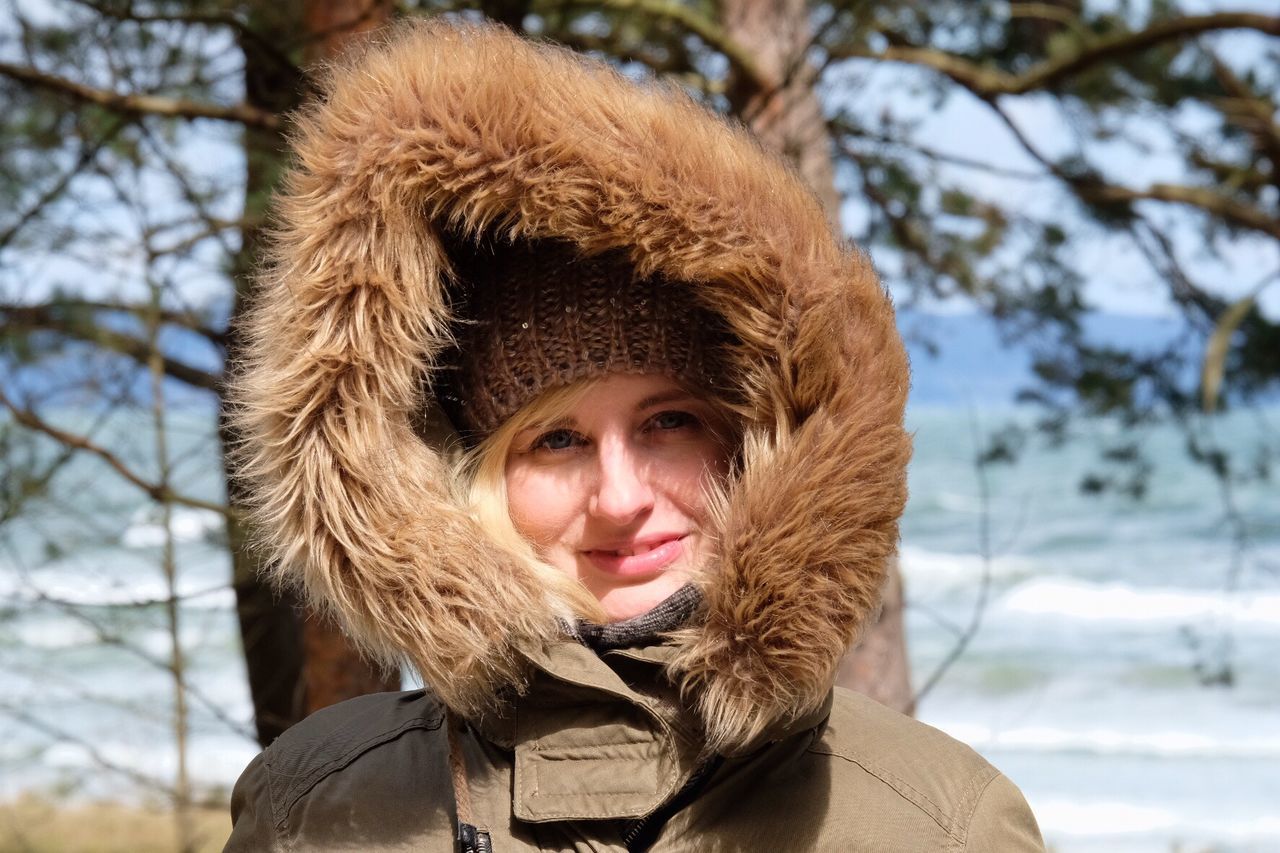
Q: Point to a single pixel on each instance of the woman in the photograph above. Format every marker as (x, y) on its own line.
(562, 391)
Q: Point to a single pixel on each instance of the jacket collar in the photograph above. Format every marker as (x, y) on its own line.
(605, 736)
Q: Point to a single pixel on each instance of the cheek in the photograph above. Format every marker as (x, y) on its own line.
(539, 503)
(689, 477)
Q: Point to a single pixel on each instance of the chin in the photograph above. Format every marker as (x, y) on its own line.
(625, 603)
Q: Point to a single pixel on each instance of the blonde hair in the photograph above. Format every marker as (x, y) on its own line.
(481, 472)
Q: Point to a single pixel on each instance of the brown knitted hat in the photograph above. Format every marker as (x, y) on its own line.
(532, 316)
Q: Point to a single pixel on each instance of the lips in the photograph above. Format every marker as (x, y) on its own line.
(635, 559)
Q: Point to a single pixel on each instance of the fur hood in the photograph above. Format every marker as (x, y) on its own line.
(443, 125)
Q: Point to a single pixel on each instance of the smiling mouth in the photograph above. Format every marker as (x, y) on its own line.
(642, 558)
(633, 551)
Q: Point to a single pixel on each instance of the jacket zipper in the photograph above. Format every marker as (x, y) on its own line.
(642, 832)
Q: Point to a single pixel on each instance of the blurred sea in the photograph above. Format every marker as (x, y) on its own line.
(1084, 680)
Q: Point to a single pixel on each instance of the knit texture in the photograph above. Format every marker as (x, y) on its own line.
(675, 611)
(537, 315)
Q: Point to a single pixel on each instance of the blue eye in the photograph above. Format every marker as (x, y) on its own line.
(673, 420)
(556, 439)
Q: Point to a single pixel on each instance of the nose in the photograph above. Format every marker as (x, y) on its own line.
(622, 493)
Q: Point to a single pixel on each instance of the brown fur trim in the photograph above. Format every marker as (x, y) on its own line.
(470, 126)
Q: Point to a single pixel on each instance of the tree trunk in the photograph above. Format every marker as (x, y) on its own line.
(783, 110)
(296, 662)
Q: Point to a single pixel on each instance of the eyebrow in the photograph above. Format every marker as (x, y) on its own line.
(663, 397)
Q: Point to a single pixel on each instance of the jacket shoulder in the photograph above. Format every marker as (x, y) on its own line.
(352, 740)
(334, 737)
(939, 778)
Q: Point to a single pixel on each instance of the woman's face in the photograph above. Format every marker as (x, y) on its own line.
(614, 493)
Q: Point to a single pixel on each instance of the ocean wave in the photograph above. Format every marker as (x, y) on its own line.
(1168, 743)
(933, 569)
(1104, 819)
(1117, 602)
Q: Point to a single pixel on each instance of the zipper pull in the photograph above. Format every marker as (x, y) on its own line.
(472, 840)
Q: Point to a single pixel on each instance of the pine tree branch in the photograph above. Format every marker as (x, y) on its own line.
(710, 32)
(31, 420)
(988, 83)
(1093, 190)
(141, 105)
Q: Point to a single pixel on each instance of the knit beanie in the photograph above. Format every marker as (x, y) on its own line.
(531, 316)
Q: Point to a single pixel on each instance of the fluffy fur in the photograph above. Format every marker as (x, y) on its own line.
(442, 124)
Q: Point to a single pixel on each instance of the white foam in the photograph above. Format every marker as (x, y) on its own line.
(1072, 817)
(1124, 603)
(935, 570)
(1070, 820)
(1105, 741)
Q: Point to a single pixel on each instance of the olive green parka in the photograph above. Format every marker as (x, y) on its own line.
(723, 733)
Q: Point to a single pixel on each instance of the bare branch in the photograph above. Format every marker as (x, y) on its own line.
(189, 193)
(989, 83)
(31, 420)
(1251, 111)
(110, 638)
(1049, 12)
(47, 318)
(980, 466)
(141, 105)
(1158, 248)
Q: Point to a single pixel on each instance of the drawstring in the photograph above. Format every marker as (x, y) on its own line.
(470, 838)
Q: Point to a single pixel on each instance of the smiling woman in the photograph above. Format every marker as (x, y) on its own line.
(564, 392)
(588, 400)
(616, 493)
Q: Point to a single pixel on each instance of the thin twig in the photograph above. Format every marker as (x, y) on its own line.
(91, 749)
(984, 587)
(843, 129)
